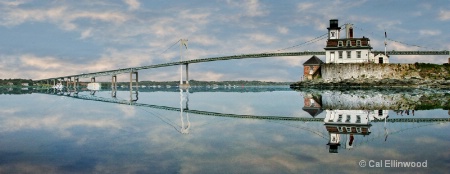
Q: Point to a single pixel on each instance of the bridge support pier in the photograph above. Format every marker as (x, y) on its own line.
(68, 82)
(187, 73)
(134, 80)
(75, 83)
(114, 82)
(114, 86)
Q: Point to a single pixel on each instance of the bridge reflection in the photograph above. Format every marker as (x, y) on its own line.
(348, 117)
(318, 104)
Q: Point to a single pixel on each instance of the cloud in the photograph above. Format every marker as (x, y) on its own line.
(39, 67)
(261, 38)
(86, 33)
(62, 16)
(16, 16)
(133, 4)
(282, 30)
(163, 27)
(200, 18)
(42, 63)
(444, 15)
(251, 8)
(113, 17)
(206, 40)
(254, 8)
(429, 32)
(115, 30)
(305, 6)
(14, 3)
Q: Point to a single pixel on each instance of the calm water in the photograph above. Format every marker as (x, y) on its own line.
(234, 131)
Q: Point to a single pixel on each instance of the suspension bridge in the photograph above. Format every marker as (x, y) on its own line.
(332, 35)
(134, 70)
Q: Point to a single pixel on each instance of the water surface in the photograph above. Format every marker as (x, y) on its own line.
(222, 131)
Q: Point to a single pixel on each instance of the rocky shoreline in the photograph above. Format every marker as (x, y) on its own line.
(381, 99)
(373, 83)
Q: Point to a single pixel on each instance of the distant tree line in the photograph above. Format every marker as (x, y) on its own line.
(16, 82)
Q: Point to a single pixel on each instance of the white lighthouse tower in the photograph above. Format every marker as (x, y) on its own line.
(333, 30)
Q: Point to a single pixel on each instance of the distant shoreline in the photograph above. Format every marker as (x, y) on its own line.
(17, 84)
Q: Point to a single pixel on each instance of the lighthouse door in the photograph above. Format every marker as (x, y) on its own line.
(331, 57)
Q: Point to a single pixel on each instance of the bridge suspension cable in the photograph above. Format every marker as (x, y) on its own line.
(316, 39)
(390, 39)
(170, 47)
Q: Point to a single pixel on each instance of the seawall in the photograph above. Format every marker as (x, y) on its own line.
(416, 75)
(339, 72)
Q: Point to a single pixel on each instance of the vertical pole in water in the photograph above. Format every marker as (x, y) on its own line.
(385, 43)
(187, 74)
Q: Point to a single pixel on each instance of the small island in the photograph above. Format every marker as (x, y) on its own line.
(350, 63)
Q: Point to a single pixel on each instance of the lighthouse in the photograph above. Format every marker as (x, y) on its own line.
(349, 49)
(333, 30)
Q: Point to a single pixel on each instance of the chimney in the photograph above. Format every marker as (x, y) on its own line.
(349, 31)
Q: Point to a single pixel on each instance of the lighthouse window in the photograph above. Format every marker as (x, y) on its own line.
(349, 54)
(340, 43)
(349, 43)
(358, 43)
(340, 54)
(358, 54)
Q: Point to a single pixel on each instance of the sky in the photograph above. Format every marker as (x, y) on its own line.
(52, 38)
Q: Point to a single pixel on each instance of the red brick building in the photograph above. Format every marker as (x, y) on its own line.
(311, 68)
(312, 104)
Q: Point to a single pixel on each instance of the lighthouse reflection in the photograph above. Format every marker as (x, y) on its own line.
(348, 117)
(348, 124)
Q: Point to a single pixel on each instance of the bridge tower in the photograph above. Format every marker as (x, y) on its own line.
(183, 42)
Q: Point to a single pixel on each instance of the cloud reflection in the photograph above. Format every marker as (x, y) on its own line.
(95, 137)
